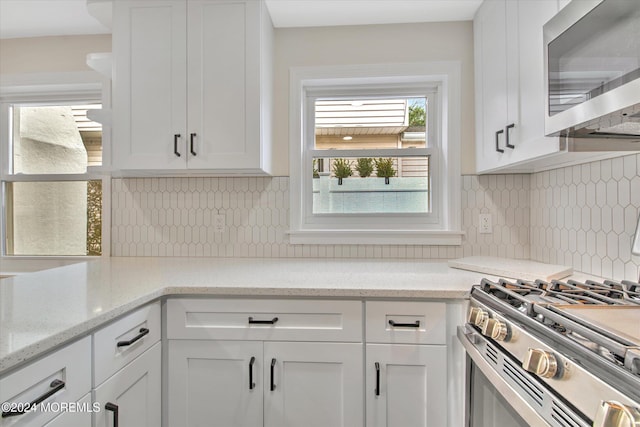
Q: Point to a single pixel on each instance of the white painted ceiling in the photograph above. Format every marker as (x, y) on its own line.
(35, 18)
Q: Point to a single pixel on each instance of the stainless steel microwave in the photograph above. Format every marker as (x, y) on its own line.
(592, 67)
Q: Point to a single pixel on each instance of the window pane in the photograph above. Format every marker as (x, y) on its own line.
(371, 185)
(54, 218)
(55, 139)
(351, 124)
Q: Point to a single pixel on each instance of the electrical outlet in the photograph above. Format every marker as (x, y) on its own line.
(485, 225)
(219, 223)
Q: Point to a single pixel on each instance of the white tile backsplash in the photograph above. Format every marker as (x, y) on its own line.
(583, 216)
(174, 217)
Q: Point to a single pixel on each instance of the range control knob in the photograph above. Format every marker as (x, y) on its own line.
(540, 362)
(477, 316)
(496, 329)
(614, 414)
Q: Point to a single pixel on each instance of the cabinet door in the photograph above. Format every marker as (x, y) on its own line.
(149, 83)
(314, 384)
(531, 141)
(224, 84)
(407, 387)
(80, 416)
(491, 78)
(497, 80)
(136, 392)
(209, 383)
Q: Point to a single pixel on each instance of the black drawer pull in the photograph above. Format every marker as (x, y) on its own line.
(273, 367)
(113, 408)
(56, 386)
(251, 383)
(191, 148)
(506, 133)
(175, 144)
(416, 324)
(143, 332)
(377, 379)
(498, 149)
(252, 321)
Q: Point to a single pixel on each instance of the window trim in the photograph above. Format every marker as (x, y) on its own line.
(309, 81)
(67, 87)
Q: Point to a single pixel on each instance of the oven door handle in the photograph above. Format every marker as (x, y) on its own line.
(469, 337)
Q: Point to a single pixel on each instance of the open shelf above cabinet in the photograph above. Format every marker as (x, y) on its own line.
(101, 62)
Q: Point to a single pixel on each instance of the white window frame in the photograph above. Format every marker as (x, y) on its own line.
(54, 88)
(442, 226)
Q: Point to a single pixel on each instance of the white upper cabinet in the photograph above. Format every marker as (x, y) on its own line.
(496, 81)
(509, 68)
(192, 86)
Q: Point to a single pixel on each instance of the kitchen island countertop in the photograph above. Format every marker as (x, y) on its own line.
(42, 310)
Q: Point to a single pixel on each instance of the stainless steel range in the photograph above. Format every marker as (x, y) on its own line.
(562, 354)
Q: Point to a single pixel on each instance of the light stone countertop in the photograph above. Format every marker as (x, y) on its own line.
(41, 310)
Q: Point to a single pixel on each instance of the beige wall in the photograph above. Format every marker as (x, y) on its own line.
(374, 44)
(50, 54)
(294, 47)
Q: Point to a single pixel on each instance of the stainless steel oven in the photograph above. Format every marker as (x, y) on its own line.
(560, 354)
(491, 401)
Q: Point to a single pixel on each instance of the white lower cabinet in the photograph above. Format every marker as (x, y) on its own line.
(271, 384)
(132, 397)
(406, 364)
(76, 416)
(264, 362)
(58, 379)
(406, 385)
(313, 384)
(215, 383)
(311, 363)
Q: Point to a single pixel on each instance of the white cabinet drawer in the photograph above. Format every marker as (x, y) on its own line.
(125, 339)
(406, 322)
(249, 319)
(67, 370)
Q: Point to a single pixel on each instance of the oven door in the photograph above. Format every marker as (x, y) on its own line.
(486, 405)
(490, 400)
(500, 393)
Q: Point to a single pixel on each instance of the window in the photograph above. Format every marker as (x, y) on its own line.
(51, 183)
(375, 154)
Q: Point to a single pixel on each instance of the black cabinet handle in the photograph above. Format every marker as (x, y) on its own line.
(191, 137)
(498, 149)
(175, 144)
(416, 324)
(506, 133)
(273, 368)
(253, 321)
(251, 383)
(56, 386)
(377, 379)
(143, 332)
(113, 408)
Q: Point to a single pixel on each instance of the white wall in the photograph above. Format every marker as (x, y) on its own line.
(50, 54)
(372, 44)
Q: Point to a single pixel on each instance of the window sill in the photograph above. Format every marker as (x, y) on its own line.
(376, 237)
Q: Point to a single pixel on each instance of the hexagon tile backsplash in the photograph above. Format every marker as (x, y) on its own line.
(581, 216)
